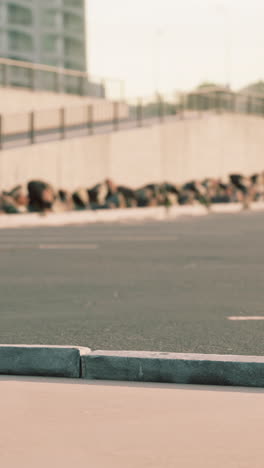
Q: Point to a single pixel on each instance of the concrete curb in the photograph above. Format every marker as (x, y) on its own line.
(202, 369)
(45, 361)
(99, 216)
(119, 215)
(132, 366)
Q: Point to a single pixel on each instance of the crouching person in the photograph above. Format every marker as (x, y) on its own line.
(81, 199)
(14, 202)
(41, 196)
(64, 202)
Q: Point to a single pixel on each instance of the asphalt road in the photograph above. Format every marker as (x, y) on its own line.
(168, 286)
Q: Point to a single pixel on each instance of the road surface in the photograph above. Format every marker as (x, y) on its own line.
(157, 286)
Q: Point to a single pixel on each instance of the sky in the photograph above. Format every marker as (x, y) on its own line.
(169, 45)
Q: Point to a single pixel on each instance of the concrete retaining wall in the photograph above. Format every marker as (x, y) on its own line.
(211, 146)
(18, 100)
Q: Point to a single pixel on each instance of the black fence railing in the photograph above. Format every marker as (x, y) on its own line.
(103, 116)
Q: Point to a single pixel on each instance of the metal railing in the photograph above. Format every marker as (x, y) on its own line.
(108, 116)
(224, 100)
(16, 73)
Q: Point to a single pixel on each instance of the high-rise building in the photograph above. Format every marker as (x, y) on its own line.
(51, 32)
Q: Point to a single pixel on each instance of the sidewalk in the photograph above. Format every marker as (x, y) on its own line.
(71, 423)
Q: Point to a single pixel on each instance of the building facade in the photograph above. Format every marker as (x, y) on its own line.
(51, 32)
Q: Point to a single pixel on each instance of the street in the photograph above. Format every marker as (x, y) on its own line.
(173, 286)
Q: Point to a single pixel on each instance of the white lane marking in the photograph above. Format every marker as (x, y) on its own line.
(244, 318)
(8, 247)
(109, 238)
(68, 246)
(140, 239)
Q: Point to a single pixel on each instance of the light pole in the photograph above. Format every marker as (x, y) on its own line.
(224, 11)
(158, 33)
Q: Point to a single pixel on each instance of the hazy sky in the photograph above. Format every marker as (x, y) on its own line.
(176, 44)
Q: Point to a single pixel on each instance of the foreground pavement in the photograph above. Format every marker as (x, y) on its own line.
(157, 286)
(52, 422)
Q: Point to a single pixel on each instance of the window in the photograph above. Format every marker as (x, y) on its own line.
(19, 41)
(50, 18)
(74, 65)
(19, 15)
(50, 43)
(52, 61)
(73, 22)
(73, 47)
(74, 3)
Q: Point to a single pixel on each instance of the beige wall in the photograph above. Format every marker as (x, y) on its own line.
(14, 100)
(177, 151)
(16, 104)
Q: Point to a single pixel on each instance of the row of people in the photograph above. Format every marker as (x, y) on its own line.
(40, 196)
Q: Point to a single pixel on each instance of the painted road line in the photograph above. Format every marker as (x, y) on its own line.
(141, 239)
(68, 247)
(9, 247)
(244, 318)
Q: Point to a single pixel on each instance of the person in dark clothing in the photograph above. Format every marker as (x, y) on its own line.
(129, 196)
(41, 196)
(81, 199)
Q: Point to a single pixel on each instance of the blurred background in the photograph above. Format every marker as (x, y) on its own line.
(186, 78)
(170, 45)
(124, 111)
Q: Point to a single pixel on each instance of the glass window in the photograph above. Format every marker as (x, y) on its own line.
(74, 65)
(20, 41)
(50, 43)
(16, 57)
(19, 15)
(73, 22)
(50, 18)
(73, 47)
(52, 61)
(74, 3)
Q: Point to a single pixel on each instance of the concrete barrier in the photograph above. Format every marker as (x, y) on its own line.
(257, 206)
(109, 216)
(120, 215)
(100, 216)
(45, 361)
(137, 366)
(200, 369)
(225, 208)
